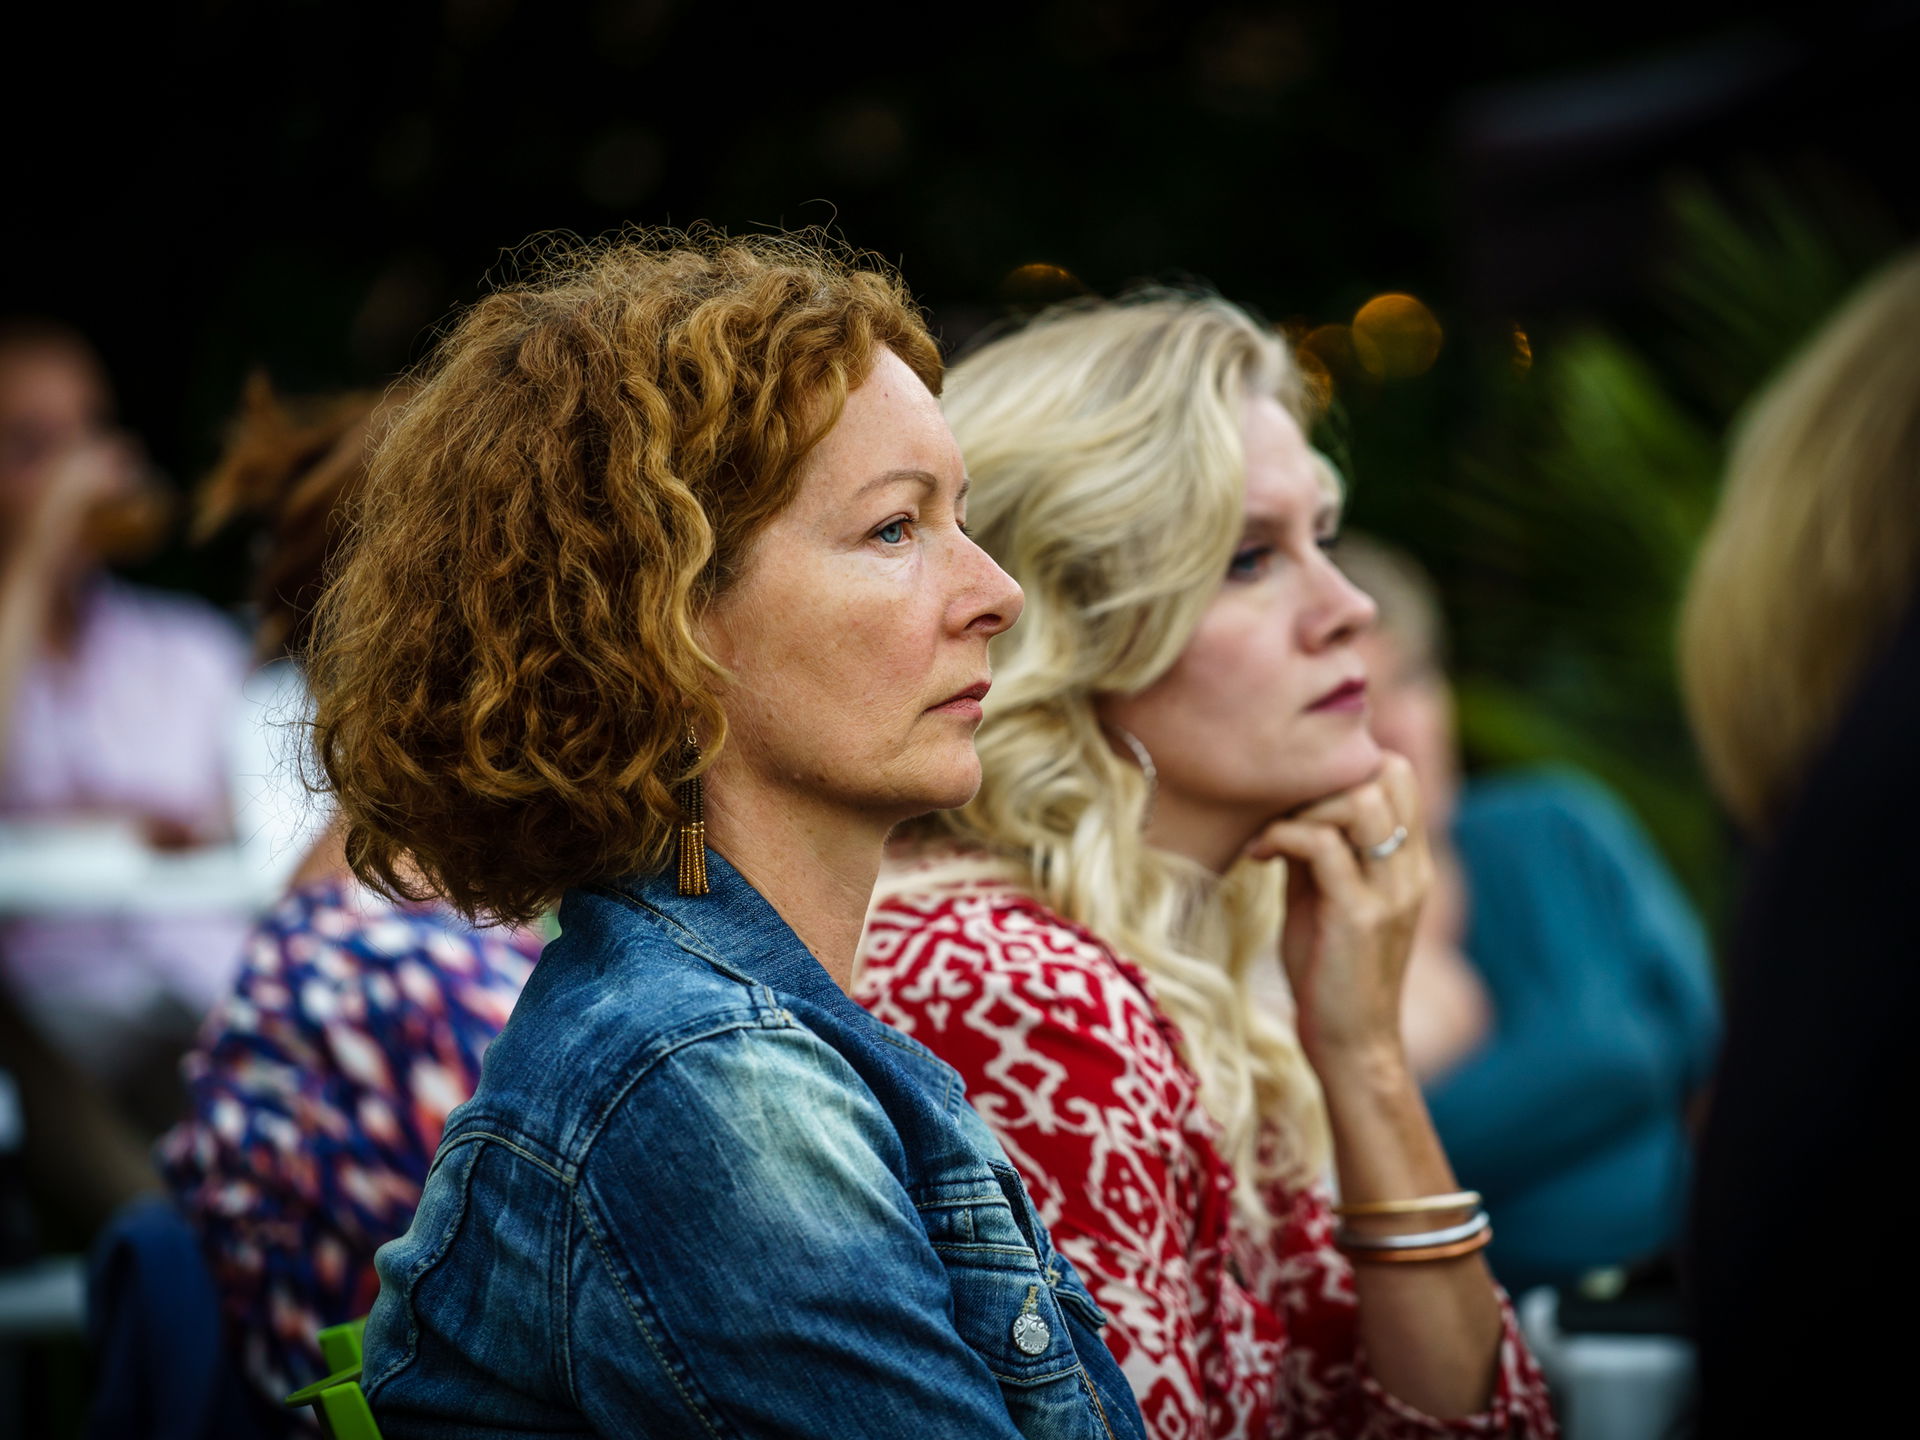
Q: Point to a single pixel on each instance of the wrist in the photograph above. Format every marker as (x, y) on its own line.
(1360, 1070)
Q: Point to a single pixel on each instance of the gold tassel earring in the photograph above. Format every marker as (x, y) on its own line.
(692, 831)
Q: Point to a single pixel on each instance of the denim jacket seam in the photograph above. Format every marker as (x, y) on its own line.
(690, 1400)
(889, 1036)
(410, 1352)
(491, 1137)
(656, 1056)
(1093, 1394)
(561, 1281)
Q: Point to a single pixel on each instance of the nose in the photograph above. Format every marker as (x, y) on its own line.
(990, 599)
(1339, 610)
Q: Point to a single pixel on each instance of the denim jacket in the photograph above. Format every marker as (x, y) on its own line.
(699, 1192)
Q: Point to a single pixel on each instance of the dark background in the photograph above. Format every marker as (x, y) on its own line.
(310, 187)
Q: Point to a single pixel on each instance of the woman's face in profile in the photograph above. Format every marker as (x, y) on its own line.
(857, 633)
(1266, 708)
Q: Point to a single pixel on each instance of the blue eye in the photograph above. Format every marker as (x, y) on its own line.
(892, 533)
(1250, 563)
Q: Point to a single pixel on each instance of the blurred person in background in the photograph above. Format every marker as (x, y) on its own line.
(1560, 1005)
(116, 706)
(1800, 656)
(320, 1085)
(1082, 941)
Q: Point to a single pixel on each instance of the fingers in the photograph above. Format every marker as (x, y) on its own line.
(1396, 778)
(1323, 849)
(1364, 814)
(1371, 813)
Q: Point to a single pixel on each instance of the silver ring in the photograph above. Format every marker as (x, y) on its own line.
(1387, 846)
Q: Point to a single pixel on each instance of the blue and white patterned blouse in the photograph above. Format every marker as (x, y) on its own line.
(317, 1093)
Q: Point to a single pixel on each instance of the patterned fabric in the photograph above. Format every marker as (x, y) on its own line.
(319, 1089)
(1079, 1073)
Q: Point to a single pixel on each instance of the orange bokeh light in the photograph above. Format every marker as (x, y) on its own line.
(1041, 283)
(1395, 337)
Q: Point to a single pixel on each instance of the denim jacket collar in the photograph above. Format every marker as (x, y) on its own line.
(735, 927)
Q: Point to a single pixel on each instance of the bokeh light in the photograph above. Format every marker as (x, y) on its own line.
(1040, 284)
(1395, 337)
(1522, 352)
(1330, 348)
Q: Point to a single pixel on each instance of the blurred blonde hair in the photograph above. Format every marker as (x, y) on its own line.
(1104, 445)
(1814, 552)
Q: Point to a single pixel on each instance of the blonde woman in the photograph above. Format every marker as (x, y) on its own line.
(1800, 652)
(1182, 705)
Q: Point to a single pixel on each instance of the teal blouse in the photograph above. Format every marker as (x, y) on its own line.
(1571, 1118)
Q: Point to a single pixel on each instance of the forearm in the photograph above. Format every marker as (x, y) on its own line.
(23, 620)
(1431, 1329)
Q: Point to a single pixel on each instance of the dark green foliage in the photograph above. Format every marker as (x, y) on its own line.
(1562, 527)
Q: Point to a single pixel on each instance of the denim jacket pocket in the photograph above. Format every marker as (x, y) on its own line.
(1004, 1305)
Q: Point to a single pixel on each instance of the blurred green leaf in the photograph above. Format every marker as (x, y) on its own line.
(1563, 530)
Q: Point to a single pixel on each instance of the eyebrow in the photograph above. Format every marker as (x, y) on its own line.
(926, 479)
(894, 477)
(1328, 514)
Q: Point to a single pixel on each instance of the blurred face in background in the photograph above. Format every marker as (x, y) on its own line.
(1413, 716)
(1266, 708)
(54, 403)
(52, 398)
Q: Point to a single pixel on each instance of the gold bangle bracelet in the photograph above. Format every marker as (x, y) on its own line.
(1419, 1205)
(1427, 1252)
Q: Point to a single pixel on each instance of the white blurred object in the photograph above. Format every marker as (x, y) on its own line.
(1610, 1387)
(276, 819)
(105, 867)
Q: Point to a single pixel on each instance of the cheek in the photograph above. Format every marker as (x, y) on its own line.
(824, 653)
(1237, 672)
(1230, 719)
(1212, 708)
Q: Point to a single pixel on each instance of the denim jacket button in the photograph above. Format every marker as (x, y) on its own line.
(1030, 1334)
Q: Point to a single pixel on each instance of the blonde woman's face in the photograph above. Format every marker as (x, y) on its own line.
(1266, 708)
(857, 635)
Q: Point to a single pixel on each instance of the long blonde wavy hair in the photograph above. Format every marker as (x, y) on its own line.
(1814, 553)
(1104, 445)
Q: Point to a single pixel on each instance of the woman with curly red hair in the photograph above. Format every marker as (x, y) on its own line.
(665, 553)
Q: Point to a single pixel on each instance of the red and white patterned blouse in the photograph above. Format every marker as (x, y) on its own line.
(1072, 1063)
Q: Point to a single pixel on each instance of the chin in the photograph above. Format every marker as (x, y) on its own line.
(941, 782)
(956, 789)
(1354, 762)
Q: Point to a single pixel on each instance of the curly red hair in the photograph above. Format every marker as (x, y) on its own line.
(507, 659)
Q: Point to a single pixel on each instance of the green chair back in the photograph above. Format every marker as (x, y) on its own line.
(340, 1344)
(338, 1400)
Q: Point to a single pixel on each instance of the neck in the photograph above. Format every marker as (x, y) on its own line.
(815, 863)
(1208, 837)
(327, 860)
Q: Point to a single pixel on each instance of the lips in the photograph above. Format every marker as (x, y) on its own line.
(973, 694)
(1349, 695)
